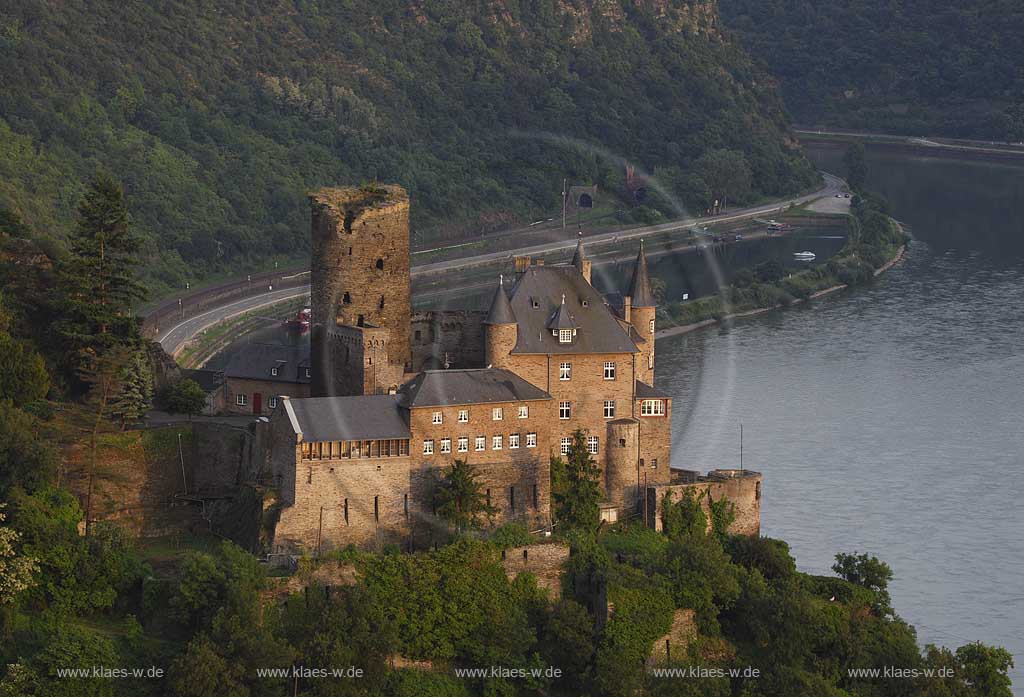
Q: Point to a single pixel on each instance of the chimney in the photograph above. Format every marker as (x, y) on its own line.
(627, 307)
(522, 263)
(538, 262)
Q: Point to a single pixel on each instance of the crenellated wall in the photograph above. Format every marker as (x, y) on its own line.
(741, 487)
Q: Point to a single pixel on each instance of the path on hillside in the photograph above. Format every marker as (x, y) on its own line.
(175, 336)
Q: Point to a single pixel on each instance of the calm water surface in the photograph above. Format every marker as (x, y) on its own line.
(890, 419)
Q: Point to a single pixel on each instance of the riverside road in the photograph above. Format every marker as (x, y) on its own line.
(173, 337)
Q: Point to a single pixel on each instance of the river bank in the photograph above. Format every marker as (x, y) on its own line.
(712, 304)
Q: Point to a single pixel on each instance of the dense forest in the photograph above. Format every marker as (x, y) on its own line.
(220, 116)
(916, 67)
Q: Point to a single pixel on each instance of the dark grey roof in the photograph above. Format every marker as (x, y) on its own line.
(538, 294)
(209, 380)
(437, 388)
(256, 361)
(561, 319)
(369, 417)
(501, 310)
(645, 391)
(640, 287)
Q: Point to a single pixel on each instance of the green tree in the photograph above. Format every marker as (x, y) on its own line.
(727, 175)
(27, 459)
(684, 517)
(17, 571)
(136, 394)
(11, 224)
(856, 166)
(459, 497)
(985, 669)
(576, 486)
(23, 376)
(184, 397)
(868, 572)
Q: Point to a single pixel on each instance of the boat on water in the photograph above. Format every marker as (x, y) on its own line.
(804, 256)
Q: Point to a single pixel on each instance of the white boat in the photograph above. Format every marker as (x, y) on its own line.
(804, 256)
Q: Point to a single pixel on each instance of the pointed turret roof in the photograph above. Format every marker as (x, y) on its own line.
(561, 319)
(501, 308)
(580, 256)
(640, 291)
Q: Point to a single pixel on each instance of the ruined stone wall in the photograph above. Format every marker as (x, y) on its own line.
(743, 489)
(359, 270)
(457, 335)
(361, 361)
(546, 561)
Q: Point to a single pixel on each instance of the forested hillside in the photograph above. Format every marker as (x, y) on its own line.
(220, 116)
(906, 66)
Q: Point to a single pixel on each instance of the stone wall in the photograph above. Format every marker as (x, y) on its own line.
(742, 488)
(673, 645)
(546, 561)
(453, 335)
(360, 271)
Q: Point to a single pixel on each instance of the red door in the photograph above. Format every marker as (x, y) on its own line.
(257, 403)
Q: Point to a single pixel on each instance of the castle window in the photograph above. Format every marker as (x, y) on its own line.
(347, 299)
(622, 442)
(609, 370)
(496, 442)
(535, 302)
(593, 444)
(650, 361)
(360, 321)
(380, 264)
(403, 447)
(513, 441)
(380, 305)
(531, 440)
(463, 445)
(512, 499)
(356, 448)
(654, 463)
(273, 402)
(496, 414)
(418, 335)
(463, 416)
(307, 372)
(488, 498)
(241, 400)
(524, 412)
(565, 336)
(565, 444)
(565, 371)
(307, 452)
(652, 326)
(609, 408)
(346, 511)
(428, 447)
(376, 509)
(273, 371)
(652, 407)
(405, 504)
(481, 443)
(446, 445)
(564, 410)
(437, 417)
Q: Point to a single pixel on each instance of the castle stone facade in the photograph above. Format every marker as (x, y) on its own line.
(398, 397)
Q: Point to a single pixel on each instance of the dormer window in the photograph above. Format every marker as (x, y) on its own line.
(565, 336)
(273, 371)
(307, 372)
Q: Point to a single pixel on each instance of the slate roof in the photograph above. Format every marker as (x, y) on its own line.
(645, 391)
(537, 295)
(208, 380)
(255, 362)
(580, 255)
(561, 319)
(438, 388)
(501, 310)
(640, 291)
(370, 417)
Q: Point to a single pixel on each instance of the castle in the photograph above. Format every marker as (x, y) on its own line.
(398, 396)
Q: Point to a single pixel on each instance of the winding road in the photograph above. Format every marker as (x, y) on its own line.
(174, 337)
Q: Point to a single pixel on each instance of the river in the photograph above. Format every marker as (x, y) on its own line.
(890, 419)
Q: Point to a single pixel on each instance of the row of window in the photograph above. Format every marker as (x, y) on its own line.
(593, 445)
(480, 443)
(323, 450)
(405, 504)
(565, 370)
(242, 400)
(648, 407)
(497, 414)
(275, 371)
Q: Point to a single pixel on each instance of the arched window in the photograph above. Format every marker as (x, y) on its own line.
(380, 264)
(347, 299)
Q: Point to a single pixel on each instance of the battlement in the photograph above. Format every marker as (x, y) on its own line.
(741, 487)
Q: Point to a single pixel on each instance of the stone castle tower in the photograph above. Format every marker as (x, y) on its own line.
(360, 289)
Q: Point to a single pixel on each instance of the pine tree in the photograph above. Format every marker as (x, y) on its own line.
(136, 395)
(576, 486)
(98, 281)
(459, 497)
